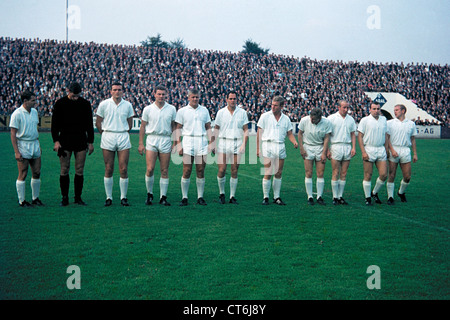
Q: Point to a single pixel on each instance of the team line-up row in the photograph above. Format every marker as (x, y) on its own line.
(188, 132)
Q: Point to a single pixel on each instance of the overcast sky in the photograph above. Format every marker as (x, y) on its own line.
(349, 30)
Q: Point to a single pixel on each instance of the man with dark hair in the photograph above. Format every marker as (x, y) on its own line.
(72, 132)
(27, 151)
(373, 142)
(231, 132)
(114, 121)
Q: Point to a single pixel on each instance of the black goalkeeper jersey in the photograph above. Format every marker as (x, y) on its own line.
(72, 122)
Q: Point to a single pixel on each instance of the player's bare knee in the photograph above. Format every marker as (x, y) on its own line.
(221, 172)
(22, 175)
(65, 168)
(200, 174)
(187, 173)
(36, 175)
(109, 170)
(79, 169)
(234, 171)
(164, 173)
(123, 172)
(391, 177)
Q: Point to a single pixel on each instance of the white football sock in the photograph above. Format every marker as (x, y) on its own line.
(108, 187)
(185, 187)
(149, 183)
(378, 186)
(233, 186)
(403, 186)
(320, 183)
(35, 188)
(221, 184)
(390, 186)
(123, 184)
(341, 188)
(335, 189)
(200, 187)
(276, 185)
(266, 187)
(20, 187)
(163, 186)
(309, 187)
(367, 185)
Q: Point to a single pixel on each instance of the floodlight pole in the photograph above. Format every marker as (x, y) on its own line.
(67, 20)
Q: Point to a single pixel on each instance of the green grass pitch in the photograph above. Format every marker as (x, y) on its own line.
(225, 252)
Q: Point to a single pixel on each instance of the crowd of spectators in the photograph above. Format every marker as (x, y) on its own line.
(47, 66)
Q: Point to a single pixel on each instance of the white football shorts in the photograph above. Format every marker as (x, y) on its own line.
(115, 141)
(29, 149)
(195, 146)
(404, 155)
(376, 153)
(229, 146)
(341, 151)
(313, 152)
(273, 150)
(160, 144)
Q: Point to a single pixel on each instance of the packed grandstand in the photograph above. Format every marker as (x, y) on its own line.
(47, 66)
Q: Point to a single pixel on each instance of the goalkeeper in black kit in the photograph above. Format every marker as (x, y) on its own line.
(72, 132)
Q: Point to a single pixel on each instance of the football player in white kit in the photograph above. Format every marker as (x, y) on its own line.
(194, 125)
(314, 136)
(114, 121)
(342, 149)
(373, 142)
(27, 151)
(231, 136)
(158, 123)
(273, 127)
(401, 132)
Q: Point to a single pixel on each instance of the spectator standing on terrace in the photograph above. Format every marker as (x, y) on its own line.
(304, 81)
